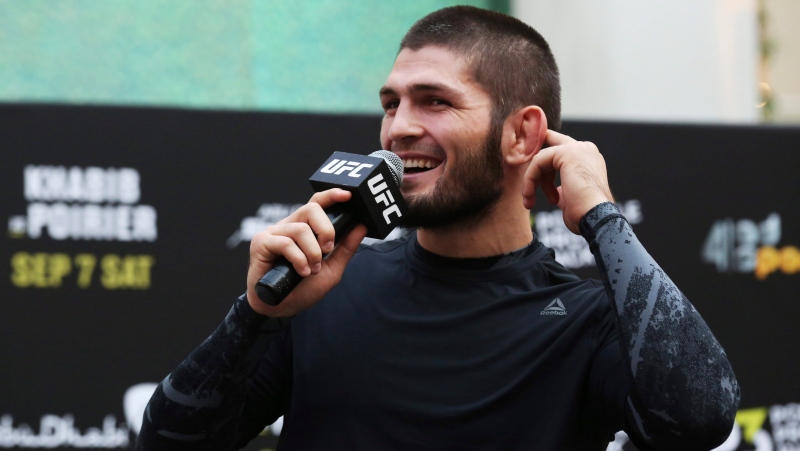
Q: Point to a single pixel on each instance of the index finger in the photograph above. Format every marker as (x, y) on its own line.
(556, 139)
(330, 197)
(313, 213)
(541, 172)
(318, 219)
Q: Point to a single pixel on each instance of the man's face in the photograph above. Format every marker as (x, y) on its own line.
(437, 121)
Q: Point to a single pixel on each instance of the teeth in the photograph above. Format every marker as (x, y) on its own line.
(419, 163)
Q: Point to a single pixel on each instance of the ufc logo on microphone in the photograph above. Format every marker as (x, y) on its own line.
(338, 167)
(380, 190)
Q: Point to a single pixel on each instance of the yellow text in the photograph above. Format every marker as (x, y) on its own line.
(54, 270)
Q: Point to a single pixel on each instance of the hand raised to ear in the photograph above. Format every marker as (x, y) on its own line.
(584, 183)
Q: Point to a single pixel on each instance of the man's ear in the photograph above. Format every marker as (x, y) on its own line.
(523, 135)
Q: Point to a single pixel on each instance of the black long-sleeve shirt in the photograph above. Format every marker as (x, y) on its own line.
(413, 350)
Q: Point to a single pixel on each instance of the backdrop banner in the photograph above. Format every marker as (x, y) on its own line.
(127, 233)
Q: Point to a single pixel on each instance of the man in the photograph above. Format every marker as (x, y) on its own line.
(465, 334)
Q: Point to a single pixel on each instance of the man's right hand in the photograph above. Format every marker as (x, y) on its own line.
(294, 239)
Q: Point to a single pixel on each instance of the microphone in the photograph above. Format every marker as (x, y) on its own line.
(377, 203)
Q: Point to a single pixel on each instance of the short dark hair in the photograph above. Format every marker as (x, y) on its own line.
(508, 58)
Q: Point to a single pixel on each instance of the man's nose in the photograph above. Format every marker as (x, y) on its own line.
(405, 124)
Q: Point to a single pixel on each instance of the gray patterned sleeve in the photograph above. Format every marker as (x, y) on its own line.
(685, 394)
(199, 405)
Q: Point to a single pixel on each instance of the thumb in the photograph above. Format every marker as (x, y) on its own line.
(342, 254)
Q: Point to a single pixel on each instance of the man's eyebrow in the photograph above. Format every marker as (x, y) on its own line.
(387, 91)
(422, 87)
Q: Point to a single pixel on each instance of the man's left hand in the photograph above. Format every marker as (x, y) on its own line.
(584, 183)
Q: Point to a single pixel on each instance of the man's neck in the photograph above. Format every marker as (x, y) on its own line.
(504, 229)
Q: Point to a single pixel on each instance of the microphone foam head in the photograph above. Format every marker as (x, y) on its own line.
(394, 162)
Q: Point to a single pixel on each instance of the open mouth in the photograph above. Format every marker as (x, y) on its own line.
(419, 165)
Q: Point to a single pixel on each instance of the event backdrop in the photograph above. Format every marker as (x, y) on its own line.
(128, 228)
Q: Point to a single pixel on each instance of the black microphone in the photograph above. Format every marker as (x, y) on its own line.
(377, 203)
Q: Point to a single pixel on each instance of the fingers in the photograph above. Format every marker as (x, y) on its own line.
(296, 242)
(542, 172)
(529, 188)
(543, 169)
(556, 139)
(549, 187)
(318, 223)
(303, 238)
(546, 164)
(584, 182)
(311, 231)
(329, 197)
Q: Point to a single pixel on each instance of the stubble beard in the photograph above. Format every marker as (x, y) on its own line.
(468, 193)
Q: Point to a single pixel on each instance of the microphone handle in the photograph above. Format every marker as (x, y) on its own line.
(279, 281)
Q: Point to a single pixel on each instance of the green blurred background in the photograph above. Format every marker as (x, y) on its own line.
(312, 55)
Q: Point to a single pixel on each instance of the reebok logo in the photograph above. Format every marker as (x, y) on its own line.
(555, 308)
